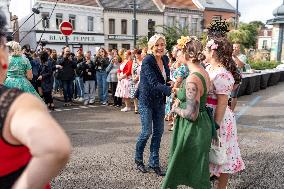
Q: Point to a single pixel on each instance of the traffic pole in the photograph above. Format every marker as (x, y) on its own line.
(66, 41)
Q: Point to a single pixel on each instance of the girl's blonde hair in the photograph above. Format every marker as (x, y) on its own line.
(14, 47)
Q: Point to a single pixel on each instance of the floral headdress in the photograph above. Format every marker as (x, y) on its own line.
(212, 45)
(218, 28)
(181, 43)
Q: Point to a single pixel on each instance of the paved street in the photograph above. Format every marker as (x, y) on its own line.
(104, 138)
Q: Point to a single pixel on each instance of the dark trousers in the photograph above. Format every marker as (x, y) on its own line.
(47, 96)
(67, 90)
(116, 100)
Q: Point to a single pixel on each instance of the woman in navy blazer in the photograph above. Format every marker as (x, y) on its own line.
(151, 94)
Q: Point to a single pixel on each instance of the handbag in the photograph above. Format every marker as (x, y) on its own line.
(218, 153)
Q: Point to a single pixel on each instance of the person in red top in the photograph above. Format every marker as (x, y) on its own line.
(124, 81)
(33, 147)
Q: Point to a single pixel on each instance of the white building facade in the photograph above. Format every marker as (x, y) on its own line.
(118, 21)
(118, 28)
(87, 22)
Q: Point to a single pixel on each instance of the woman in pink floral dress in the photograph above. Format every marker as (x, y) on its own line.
(218, 53)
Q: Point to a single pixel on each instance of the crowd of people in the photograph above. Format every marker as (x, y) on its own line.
(190, 86)
(78, 77)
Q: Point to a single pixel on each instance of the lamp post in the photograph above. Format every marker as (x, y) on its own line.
(134, 22)
(237, 14)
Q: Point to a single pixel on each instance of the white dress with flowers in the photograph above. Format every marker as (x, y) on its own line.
(222, 83)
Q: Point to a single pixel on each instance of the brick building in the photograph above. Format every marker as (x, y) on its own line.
(215, 10)
(182, 14)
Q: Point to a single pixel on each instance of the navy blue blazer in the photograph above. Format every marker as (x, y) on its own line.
(152, 88)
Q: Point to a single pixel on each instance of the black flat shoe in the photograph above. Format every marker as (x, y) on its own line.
(140, 166)
(158, 171)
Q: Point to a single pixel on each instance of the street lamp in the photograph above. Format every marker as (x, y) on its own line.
(134, 22)
(237, 14)
(35, 11)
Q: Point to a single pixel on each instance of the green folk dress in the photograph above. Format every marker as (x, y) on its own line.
(16, 75)
(189, 153)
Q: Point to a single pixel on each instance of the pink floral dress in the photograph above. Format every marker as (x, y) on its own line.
(222, 82)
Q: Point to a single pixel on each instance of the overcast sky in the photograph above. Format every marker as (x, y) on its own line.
(250, 9)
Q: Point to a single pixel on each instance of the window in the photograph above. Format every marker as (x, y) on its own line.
(194, 26)
(90, 23)
(125, 46)
(171, 21)
(72, 20)
(59, 18)
(183, 22)
(45, 19)
(135, 28)
(217, 18)
(112, 46)
(111, 26)
(123, 26)
(264, 44)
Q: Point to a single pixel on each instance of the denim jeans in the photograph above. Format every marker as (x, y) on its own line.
(79, 86)
(57, 85)
(102, 85)
(67, 90)
(152, 121)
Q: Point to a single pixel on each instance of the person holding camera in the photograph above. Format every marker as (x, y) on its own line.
(67, 66)
(101, 63)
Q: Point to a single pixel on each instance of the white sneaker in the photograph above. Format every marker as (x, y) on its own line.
(92, 101)
(126, 109)
(81, 99)
(86, 102)
(76, 99)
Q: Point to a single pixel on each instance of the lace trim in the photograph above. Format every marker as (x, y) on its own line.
(7, 97)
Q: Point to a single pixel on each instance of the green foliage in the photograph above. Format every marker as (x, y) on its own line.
(262, 65)
(172, 34)
(246, 35)
(204, 38)
(142, 42)
(258, 24)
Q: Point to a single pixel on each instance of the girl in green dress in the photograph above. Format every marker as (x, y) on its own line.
(189, 154)
(19, 70)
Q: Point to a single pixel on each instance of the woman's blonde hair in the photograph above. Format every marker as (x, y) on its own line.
(14, 47)
(153, 40)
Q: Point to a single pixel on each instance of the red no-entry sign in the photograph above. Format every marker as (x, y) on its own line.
(66, 28)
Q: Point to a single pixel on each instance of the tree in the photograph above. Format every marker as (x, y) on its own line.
(143, 42)
(172, 34)
(246, 35)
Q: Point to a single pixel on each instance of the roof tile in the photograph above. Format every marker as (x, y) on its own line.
(92, 3)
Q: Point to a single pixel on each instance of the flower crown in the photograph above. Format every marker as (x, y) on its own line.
(212, 45)
(218, 28)
(181, 43)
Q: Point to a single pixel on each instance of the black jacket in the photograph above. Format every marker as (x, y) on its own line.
(68, 70)
(47, 76)
(88, 71)
(101, 63)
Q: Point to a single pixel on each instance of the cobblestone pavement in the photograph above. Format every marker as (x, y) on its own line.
(104, 139)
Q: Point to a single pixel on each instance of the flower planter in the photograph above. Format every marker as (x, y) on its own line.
(282, 76)
(257, 83)
(243, 86)
(264, 80)
(250, 85)
(274, 78)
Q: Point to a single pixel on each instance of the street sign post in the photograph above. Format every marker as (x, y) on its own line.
(66, 29)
